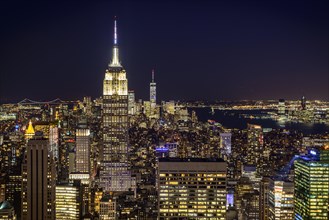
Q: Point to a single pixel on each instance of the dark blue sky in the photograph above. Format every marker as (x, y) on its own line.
(199, 49)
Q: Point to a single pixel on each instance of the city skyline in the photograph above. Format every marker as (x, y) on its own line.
(222, 117)
(242, 51)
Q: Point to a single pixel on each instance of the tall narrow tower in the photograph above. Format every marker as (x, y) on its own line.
(38, 182)
(82, 151)
(153, 91)
(114, 174)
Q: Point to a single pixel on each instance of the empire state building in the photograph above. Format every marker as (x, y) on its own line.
(115, 174)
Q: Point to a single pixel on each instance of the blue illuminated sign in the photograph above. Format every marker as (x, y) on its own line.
(161, 149)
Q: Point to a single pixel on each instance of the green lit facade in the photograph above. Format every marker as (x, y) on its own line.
(312, 187)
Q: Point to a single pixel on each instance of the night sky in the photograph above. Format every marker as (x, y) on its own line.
(210, 50)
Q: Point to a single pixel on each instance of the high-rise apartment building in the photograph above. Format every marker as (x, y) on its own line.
(38, 182)
(311, 196)
(191, 188)
(114, 174)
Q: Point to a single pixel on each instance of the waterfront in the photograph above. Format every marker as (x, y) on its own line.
(232, 119)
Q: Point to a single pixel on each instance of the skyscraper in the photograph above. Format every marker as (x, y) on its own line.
(255, 144)
(311, 196)
(131, 102)
(114, 174)
(263, 198)
(281, 199)
(82, 151)
(153, 91)
(38, 182)
(54, 140)
(225, 143)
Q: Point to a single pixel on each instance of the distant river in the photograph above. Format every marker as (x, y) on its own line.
(231, 119)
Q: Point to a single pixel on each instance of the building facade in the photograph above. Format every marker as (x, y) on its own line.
(114, 174)
(191, 188)
(38, 182)
(82, 151)
(153, 93)
(281, 200)
(311, 185)
(255, 144)
(68, 206)
(225, 143)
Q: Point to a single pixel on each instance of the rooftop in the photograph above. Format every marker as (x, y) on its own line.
(191, 160)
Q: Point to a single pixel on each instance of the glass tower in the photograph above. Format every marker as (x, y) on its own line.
(153, 91)
(312, 185)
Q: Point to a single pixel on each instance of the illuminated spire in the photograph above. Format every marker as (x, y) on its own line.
(152, 75)
(30, 129)
(29, 132)
(115, 52)
(115, 32)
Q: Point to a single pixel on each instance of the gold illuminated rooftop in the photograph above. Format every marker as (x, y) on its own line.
(30, 129)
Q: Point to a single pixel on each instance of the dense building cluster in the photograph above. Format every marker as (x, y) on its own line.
(118, 158)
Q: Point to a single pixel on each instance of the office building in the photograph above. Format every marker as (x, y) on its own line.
(281, 200)
(255, 144)
(191, 188)
(54, 140)
(225, 143)
(263, 198)
(147, 108)
(38, 182)
(107, 209)
(114, 173)
(13, 190)
(311, 185)
(131, 102)
(82, 151)
(244, 186)
(87, 105)
(68, 202)
(250, 206)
